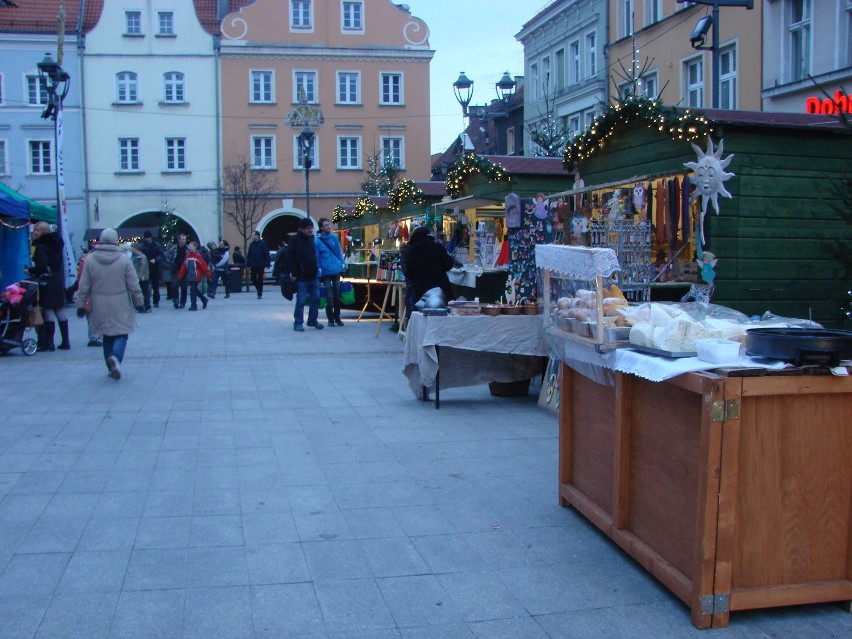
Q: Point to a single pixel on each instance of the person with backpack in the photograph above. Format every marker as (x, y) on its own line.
(194, 267)
(258, 261)
(331, 265)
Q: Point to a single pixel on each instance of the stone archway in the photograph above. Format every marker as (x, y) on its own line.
(277, 226)
(151, 220)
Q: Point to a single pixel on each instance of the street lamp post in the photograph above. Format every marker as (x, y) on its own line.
(56, 82)
(504, 87)
(306, 147)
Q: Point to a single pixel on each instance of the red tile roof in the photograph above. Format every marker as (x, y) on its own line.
(39, 16)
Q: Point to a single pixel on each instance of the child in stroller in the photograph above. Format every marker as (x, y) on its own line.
(15, 304)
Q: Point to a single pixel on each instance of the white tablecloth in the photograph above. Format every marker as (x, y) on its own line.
(473, 350)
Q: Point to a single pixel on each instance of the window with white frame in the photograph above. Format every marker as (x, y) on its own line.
(545, 75)
(4, 165)
(127, 87)
(393, 152)
(348, 152)
(262, 152)
(165, 23)
(41, 162)
(591, 54)
(626, 18)
(305, 86)
(510, 141)
(650, 85)
(391, 89)
(132, 23)
(262, 90)
(128, 154)
(36, 93)
(627, 90)
(653, 11)
(301, 14)
(588, 118)
(348, 87)
(173, 87)
(352, 15)
(299, 154)
(175, 154)
(728, 78)
(559, 58)
(574, 126)
(574, 61)
(799, 29)
(693, 82)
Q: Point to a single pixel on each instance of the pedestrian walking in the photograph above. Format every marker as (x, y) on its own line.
(174, 260)
(193, 269)
(95, 338)
(143, 271)
(48, 265)
(109, 288)
(155, 254)
(331, 265)
(220, 256)
(258, 261)
(303, 263)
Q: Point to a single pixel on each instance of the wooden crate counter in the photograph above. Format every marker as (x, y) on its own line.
(734, 492)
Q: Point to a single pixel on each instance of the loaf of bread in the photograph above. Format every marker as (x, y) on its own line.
(679, 335)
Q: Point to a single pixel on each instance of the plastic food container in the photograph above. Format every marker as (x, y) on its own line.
(718, 351)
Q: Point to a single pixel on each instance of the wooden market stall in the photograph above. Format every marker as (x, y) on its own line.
(766, 247)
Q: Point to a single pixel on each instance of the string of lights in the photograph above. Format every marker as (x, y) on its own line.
(461, 171)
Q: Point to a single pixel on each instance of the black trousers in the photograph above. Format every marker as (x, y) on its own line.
(154, 276)
(257, 279)
(179, 292)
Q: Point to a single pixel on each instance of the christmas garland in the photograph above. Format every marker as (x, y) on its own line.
(471, 163)
(405, 191)
(678, 125)
(365, 206)
(338, 215)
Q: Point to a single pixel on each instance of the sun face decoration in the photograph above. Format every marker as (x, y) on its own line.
(709, 175)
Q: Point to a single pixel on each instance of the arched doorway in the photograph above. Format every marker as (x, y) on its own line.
(153, 221)
(278, 225)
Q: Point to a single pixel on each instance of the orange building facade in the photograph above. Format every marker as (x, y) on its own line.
(362, 64)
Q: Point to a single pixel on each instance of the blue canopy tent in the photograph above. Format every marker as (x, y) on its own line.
(16, 212)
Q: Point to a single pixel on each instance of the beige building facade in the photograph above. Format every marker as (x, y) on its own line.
(364, 64)
(650, 54)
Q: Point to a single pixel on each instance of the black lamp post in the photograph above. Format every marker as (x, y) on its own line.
(504, 87)
(463, 88)
(306, 147)
(56, 82)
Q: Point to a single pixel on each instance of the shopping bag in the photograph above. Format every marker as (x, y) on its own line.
(323, 302)
(347, 293)
(33, 316)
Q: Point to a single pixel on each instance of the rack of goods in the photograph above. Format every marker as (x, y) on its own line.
(389, 268)
(631, 241)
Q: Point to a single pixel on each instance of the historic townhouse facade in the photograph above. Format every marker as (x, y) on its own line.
(565, 64)
(28, 163)
(363, 63)
(807, 38)
(151, 106)
(651, 38)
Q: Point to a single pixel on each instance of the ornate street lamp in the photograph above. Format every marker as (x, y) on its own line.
(306, 147)
(56, 82)
(463, 88)
(504, 87)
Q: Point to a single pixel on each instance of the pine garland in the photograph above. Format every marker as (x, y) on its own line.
(405, 191)
(365, 206)
(338, 215)
(471, 163)
(678, 125)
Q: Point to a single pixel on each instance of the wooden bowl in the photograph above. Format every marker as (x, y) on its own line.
(531, 309)
(510, 310)
(490, 309)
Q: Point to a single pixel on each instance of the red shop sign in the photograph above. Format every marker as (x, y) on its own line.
(840, 104)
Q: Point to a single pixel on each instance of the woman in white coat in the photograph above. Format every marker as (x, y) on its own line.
(109, 291)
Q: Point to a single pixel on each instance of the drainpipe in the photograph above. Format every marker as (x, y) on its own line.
(81, 50)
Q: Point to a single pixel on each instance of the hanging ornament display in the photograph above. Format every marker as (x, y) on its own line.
(708, 179)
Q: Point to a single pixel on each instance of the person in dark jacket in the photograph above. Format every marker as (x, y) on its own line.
(257, 259)
(154, 253)
(174, 260)
(48, 264)
(303, 262)
(426, 264)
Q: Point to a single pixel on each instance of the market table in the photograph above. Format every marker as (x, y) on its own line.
(455, 350)
(735, 492)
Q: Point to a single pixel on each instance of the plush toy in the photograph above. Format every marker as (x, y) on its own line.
(639, 197)
(706, 263)
(541, 206)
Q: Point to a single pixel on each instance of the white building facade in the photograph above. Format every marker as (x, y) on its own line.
(804, 38)
(565, 64)
(152, 117)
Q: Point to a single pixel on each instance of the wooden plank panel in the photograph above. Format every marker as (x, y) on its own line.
(565, 425)
(621, 448)
(790, 595)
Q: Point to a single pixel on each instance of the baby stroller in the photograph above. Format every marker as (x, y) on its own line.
(13, 321)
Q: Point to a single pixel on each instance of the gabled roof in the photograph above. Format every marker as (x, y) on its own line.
(206, 10)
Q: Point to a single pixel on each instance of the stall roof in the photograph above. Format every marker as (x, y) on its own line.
(467, 202)
(521, 164)
(18, 205)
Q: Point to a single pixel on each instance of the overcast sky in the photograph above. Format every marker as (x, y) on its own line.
(474, 36)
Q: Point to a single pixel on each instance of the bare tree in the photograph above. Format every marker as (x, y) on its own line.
(548, 133)
(247, 191)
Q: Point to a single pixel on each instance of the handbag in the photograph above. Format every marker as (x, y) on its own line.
(347, 293)
(34, 317)
(288, 288)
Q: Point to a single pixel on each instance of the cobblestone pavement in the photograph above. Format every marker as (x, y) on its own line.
(243, 480)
